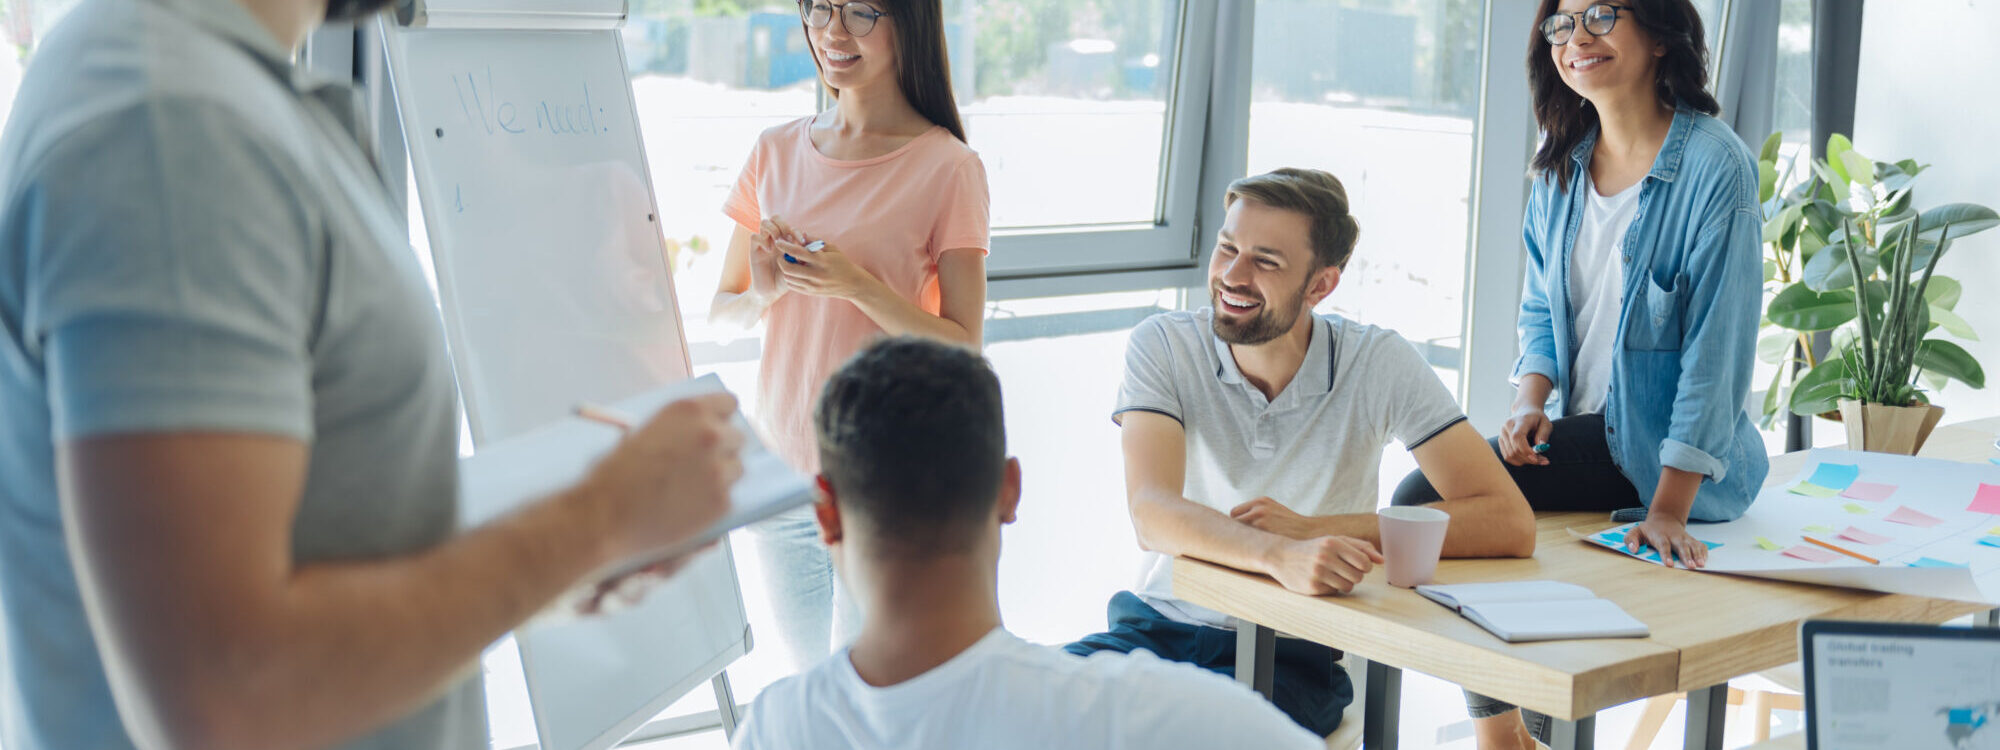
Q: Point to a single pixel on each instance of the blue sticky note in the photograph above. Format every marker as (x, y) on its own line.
(1930, 562)
(1835, 476)
(1996, 461)
(1991, 541)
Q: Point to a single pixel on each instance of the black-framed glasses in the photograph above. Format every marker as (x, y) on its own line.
(857, 18)
(1598, 19)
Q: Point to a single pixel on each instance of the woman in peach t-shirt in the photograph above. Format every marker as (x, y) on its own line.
(886, 182)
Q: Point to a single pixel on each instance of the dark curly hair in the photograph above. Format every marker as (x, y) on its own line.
(911, 438)
(1681, 76)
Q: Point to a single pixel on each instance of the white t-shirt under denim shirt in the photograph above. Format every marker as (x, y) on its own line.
(1597, 291)
(1316, 448)
(1004, 693)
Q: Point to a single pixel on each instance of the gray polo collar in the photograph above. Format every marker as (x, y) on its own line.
(1317, 369)
(233, 23)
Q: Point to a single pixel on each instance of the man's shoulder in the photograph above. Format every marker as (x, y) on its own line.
(1181, 330)
(139, 70)
(1359, 341)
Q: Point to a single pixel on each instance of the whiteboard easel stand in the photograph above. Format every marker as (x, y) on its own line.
(579, 15)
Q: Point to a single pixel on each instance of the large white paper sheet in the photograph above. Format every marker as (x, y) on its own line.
(1946, 560)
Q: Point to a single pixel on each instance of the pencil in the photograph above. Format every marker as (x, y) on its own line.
(1847, 552)
(602, 416)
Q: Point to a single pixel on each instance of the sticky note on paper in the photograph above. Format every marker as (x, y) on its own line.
(1813, 490)
(1810, 553)
(1904, 515)
(1824, 529)
(1991, 541)
(1931, 562)
(1869, 491)
(1836, 476)
(1986, 500)
(1764, 543)
(1859, 510)
(1863, 536)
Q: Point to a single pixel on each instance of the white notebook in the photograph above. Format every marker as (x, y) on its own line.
(1519, 611)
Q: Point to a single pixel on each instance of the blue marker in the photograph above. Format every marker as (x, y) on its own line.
(813, 246)
(1541, 448)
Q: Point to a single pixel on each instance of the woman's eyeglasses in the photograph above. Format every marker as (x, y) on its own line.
(857, 18)
(1597, 19)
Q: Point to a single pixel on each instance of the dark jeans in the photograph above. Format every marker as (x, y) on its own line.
(1306, 682)
(1580, 476)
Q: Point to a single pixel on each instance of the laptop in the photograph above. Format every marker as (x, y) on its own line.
(1871, 686)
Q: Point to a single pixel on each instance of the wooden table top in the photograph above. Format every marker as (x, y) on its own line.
(1706, 628)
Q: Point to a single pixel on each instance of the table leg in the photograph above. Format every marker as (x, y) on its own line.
(1706, 709)
(1573, 735)
(1256, 649)
(1382, 705)
(1988, 619)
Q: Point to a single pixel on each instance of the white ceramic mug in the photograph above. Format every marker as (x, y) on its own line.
(1412, 540)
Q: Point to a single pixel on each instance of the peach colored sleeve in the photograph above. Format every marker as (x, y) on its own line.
(964, 211)
(741, 205)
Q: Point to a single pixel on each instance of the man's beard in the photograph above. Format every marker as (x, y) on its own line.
(1269, 322)
(348, 10)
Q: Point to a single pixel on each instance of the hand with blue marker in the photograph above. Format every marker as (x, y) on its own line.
(1524, 437)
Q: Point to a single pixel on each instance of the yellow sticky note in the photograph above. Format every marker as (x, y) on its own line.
(1768, 544)
(1819, 529)
(1855, 509)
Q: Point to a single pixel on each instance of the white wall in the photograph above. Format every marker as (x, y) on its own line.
(1926, 92)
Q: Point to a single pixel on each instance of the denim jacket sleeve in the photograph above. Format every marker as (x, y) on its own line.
(1536, 326)
(1719, 339)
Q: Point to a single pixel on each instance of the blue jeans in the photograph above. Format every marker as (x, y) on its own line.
(799, 581)
(1307, 682)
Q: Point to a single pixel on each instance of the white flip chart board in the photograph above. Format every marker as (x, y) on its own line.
(556, 290)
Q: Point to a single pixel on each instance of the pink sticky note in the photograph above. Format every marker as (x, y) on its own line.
(1904, 515)
(1987, 500)
(1810, 553)
(1870, 491)
(1862, 536)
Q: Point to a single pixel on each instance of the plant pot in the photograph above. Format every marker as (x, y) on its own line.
(1888, 429)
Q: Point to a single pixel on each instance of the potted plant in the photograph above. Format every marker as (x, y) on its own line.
(1848, 252)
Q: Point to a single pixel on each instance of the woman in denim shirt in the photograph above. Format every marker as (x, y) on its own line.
(1643, 290)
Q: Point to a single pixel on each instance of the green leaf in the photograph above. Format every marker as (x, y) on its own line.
(1769, 154)
(1943, 292)
(1776, 346)
(1770, 270)
(1828, 270)
(1837, 146)
(1821, 389)
(1859, 168)
(1774, 229)
(1833, 178)
(1964, 218)
(1950, 360)
(1767, 180)
(1911, 167)
(1950, 321)
(1823, 217)
(1801, 309)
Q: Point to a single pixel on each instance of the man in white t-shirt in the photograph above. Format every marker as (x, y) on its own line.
(1253, 432)
(915, 484)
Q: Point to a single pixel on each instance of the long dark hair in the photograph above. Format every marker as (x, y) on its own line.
(923, 66)
(1681, 75)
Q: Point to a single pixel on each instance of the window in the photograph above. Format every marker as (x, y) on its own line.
(1383, 96)
(1075, 87)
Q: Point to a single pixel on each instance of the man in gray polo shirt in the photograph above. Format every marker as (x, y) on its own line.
(228, 449)
(1253, 431)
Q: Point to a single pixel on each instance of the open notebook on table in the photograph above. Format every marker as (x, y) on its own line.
(1519, 611)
